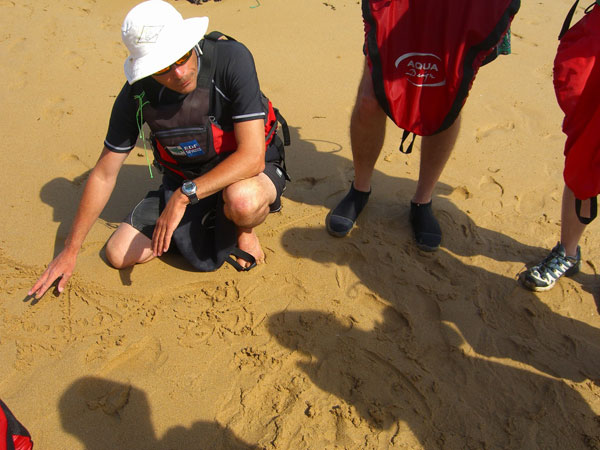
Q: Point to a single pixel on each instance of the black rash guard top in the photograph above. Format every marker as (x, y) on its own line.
(235, 96)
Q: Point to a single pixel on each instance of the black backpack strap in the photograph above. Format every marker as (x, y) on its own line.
(216, 35)
(276, 141)
(405, 135)
(239, 253)
(208, 61)
(569, 18)
(593, 210)
(284, 126)
(209, 57)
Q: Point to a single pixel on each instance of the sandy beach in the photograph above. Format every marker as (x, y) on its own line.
(356, 343)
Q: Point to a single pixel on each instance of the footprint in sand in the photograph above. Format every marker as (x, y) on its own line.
(107, 23)
(28, 8)
(492, 192)
(56, 108)
(488, 130)
(537, 204)
(74, 59)
(460, 193)
(145, 354)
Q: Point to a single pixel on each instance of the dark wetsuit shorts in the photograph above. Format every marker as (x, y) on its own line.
(144, 215)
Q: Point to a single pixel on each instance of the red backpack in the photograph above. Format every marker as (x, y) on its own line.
(577, 87)
(13, 435)
(424, 55)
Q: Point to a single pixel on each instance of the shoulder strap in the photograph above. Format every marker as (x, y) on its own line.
(569, 18)
(207, 64)
(209, 57)
(217, 35)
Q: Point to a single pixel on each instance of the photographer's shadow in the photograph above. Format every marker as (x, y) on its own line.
(493, 312)
(105, 414)
(396, 374)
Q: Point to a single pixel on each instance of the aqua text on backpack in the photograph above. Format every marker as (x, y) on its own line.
(424, 55)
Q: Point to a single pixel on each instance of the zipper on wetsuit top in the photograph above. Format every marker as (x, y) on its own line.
(180, 132)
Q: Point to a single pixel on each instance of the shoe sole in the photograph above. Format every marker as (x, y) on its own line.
(535, 288)
(427, 248)
(337, 234)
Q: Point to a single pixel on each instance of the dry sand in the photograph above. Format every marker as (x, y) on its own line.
(355, 343)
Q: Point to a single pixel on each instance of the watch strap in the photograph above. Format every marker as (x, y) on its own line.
(193, 198)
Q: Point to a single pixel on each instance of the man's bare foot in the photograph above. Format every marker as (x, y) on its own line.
(248, 241)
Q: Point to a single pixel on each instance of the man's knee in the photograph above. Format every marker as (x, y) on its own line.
(127, 247)
(242, 202)
(367, 109)
(367, 102)
(115, 253)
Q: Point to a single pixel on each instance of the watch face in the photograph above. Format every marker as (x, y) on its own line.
(188, 187)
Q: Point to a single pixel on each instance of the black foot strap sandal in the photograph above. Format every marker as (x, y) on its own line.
(341, 219)
(426, 228)
(239, 253)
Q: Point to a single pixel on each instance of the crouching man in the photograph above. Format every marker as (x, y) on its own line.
(214, 138)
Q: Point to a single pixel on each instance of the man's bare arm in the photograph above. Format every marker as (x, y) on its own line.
(96, 193)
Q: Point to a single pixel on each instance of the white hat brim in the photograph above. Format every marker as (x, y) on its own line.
(175, 42)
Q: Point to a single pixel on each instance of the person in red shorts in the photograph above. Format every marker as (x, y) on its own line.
(577, 86)
(416, 54)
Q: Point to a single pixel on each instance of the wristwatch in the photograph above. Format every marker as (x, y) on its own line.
(189, 189)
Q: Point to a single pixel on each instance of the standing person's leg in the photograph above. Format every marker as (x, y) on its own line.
(367, 132)
(435, 152)
(565, 257)
(571, 227)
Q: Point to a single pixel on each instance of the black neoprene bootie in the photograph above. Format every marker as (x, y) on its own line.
(341, 219)
(426, 228)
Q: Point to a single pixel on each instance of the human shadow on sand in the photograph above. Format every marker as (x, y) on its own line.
(321, 176)
(105, 414)
(447, 397)
(382, 243)
(436, 304)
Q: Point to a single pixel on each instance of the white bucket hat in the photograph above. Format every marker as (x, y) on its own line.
(156, 36)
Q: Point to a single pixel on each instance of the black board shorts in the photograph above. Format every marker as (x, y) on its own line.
(144, 215)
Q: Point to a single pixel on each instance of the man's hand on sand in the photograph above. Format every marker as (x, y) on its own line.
(61, 267)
